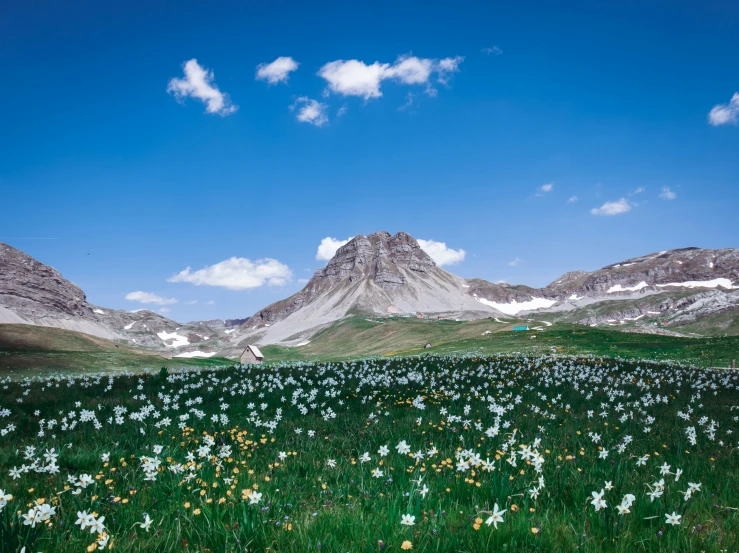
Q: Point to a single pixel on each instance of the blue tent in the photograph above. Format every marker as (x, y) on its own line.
(524, 327)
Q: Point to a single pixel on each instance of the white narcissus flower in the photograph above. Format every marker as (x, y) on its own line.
(673, 519)
(408, 520)
(496, 516)
(147, 522)
(598, 502)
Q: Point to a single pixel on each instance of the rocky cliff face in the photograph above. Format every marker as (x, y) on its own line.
(386, 261)
(380, 257)
(34, 290)
(673, 269)
(36, 294)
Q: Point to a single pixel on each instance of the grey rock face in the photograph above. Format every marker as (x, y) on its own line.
(380, 258)
(34, 293)
(34, 290)
(386, 267)
(667, 267)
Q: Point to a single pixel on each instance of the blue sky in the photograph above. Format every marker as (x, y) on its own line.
(112, 172)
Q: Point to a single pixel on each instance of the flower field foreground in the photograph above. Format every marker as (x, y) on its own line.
(426, 454)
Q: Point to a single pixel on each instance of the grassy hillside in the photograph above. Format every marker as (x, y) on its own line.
(723, 322)
(38, 350)
(356, 337)
(32, 350)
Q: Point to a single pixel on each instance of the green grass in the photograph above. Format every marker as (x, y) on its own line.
(27, 350)
(551, 405)
(723, 323)
(357, 337)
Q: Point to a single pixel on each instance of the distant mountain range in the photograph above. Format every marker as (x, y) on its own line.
(685, 291)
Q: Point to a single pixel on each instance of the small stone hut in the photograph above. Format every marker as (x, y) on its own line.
(251, 356)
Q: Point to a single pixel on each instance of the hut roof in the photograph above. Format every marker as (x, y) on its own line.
(255, 351)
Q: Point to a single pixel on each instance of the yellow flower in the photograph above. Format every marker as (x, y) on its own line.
(406, 545)
(196, 512)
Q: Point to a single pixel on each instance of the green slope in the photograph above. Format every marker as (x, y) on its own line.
(357, 337)
(27, 350)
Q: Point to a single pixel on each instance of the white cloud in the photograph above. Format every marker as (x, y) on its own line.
(148, 297)
(411, 70)
(639, 190)
(310, 111)
(547, 187)
(327, 248)
(612, 208)
(198, 83)
(211, 302)
(572, 200)
(492, 50)
(440, 253)
(278, 71)
(342, 110)
(164, 310)
(667, 194)
(356, 78)
(408, 102)
(723, 114)
(237, 273)
(447, 66)
(515, 262)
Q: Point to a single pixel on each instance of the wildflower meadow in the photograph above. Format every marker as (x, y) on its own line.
(432, 453)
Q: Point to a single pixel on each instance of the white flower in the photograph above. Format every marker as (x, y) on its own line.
(403, 448)
(598, 502)
(673, 519)
(147, 522)
(97, 526)
(408, 520)
(496, 517)
(84, 519)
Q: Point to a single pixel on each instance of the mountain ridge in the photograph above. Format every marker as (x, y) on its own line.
(388, 275)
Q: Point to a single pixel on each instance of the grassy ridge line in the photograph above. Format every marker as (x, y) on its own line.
(27, 350)
(357, 337)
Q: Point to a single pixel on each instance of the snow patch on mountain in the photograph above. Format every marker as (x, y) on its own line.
(725, 282)
(190, 354)
(619, 288)
(177, 340)
(515, 307)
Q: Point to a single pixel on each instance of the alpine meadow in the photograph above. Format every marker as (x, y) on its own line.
(369, 277)
(431, 453)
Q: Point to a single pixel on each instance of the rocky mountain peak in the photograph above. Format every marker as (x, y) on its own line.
(379, 256)
(31, 289)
